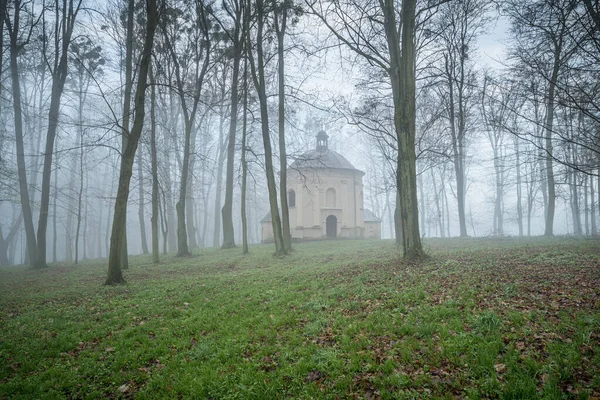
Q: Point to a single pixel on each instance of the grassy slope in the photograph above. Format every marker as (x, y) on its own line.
(504, 318)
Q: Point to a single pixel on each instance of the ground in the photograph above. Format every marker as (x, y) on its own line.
(482, 318)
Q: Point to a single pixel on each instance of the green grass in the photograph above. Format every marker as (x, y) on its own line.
(481, 318)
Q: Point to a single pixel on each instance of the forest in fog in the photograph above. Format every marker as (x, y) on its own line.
(155, 126)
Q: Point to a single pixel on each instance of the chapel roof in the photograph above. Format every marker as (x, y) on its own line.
(322, 157)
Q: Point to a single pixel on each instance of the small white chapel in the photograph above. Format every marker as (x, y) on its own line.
(325, 198)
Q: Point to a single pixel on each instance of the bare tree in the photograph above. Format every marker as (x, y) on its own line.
(375, 33)
(116, 240)
(460, 25)
(16, 44)
(236, 34)
(191, 24)
(154, 158)
(64, 24)
(257, 66)
(543, 45)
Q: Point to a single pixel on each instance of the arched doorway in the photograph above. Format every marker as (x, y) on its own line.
(331, 226)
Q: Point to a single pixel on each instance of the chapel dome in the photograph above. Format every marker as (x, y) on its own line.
(322, 157)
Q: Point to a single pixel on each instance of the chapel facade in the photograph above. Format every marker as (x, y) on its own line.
(325, 198)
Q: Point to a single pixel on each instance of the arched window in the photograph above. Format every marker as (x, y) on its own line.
(291, 198)
(330, 198)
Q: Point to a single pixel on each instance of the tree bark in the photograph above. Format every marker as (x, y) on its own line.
(593, 209)
(13, 30)
(244, 174)
(141, 212)
(59, 76)
(548, 127)
(220, 161)
(182, 242)
(245, 249)
(155, 211)
(457, 134)
(54, 225)
(402, 76)
(3, 5)
(189, 114)
(227, 210)
(190, 203)
(519, 186)
(258, 75)
(10, 237)
(283, 195)
(80, 192)
(586, 210)
(498, 212)
(116, 241)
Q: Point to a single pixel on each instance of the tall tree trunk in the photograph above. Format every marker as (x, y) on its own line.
(519, 186)
(13, 30)
(227, 210)
(592, 208)
(422, 201)
(189, 115)
(54, 217)
(586, 209)
(548, 127)
(190, 203)
(244, 164)
(167, 203)
(258, 75)
(84, 235)
(388, 204)
(3, 6)
(498, 220)
(141, 212)
(541, 156)
(79, 195)
(285, 212)
(530, 197)
(220, 161)
(116, 240)
(59, 76)
(575, 209)
(127, 108)
(5, 243)
(182, 241)
(155, 211)
(205, 198)
(164, 222)
(81, 166)
(439, 207)
(447, 208)
(71, 205)
(398, 219)
(458, 149)
(402, 76)
(99, 250)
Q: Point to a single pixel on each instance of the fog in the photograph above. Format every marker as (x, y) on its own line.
(483, 115)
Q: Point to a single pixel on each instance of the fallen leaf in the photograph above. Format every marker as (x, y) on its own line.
(500, 368)
(314, 376)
